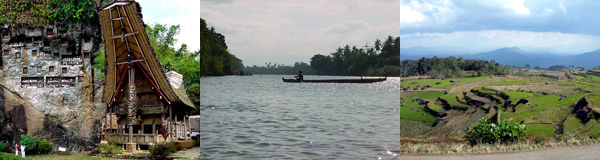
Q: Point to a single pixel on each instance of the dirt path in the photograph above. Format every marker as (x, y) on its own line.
(578, 152)
(193, 152)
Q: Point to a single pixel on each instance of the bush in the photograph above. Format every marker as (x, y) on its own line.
(108, 149)
(30, 142)
(502, 132)
(163, 149)
(44, 147)
(2, 145)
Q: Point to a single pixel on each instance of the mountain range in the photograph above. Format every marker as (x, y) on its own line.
(508, 56)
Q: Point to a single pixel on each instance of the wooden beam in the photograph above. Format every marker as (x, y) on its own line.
(144, 56)
(176, 128)
(125, 62)
(153, 126)
(170, 122)
(110, 116)
(112, 98)
(118, 18)
(151, 81)
(123, 35)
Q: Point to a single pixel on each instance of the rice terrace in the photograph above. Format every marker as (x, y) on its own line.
(442, 115)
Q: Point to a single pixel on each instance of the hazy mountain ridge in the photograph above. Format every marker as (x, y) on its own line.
(512, 56)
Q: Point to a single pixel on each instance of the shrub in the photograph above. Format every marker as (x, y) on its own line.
(487, 132)
(108, 149)
(163, 149)
(2, 145)
(44, 147)
(30, 142)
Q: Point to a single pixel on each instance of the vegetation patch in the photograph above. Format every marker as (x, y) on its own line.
(579, 84)
(488, 132)
(543, 99)
(576, 77)
(540, 129)
(443, 83)
(451, 99)
(594, 78)
(436, 108)
(572, 124)
(163, 149)
(520, 116)
(108, 149)
(415, 111)
(516, 96)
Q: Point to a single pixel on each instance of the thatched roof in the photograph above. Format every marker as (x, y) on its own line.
(114, 16)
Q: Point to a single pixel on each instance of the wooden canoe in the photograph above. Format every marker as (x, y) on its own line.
(362, 80)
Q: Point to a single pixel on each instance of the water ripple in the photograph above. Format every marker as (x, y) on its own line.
(260, 117)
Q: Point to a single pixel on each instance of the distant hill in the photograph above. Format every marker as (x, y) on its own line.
(516, 56)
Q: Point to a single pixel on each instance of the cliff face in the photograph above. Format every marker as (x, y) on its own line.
(49, 87)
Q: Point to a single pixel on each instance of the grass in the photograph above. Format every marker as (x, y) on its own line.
(580, 84)
(552, 115)
(451, 98)
(543, 99)
(540, 129)
(572, 124)
(436, 108)
(504, 83)
(516, 96)
(576, 77)
(485, 91)
(444, 83)
(520, 116)
(413, 110)
(461, 147)
(594, 78)
(595, 129)
(431, 95)
(11, 156)
(595, 100)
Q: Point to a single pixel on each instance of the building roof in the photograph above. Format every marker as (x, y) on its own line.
(124, 34)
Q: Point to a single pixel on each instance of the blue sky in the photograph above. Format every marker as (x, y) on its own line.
(185, 13)
(565, 26)
(284, 32)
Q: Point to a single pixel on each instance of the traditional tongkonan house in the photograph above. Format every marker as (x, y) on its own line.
(149, 106)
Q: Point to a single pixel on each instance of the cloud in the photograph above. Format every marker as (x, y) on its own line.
(561, 42)
(538, 16)
(346, 27)
(284, 32)
(181, 12)
(219, 1)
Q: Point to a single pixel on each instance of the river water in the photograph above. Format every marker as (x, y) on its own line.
(261, 117)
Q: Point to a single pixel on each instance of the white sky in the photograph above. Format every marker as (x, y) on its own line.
(566, 26)
(284, 32)
(185, 13)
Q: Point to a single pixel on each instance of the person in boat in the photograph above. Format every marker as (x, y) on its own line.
(299, 77)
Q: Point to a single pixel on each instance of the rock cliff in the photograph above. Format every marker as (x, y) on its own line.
(48, 84)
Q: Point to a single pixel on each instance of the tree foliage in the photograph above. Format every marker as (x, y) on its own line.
(451, 67)
(100, 64)
(72, 10)
(380, 60)
(162, 38)
(30, 142)
(270, 68)
(215, 59)
(25, 12)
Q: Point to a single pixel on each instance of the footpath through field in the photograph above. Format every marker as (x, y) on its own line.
(578, 152)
